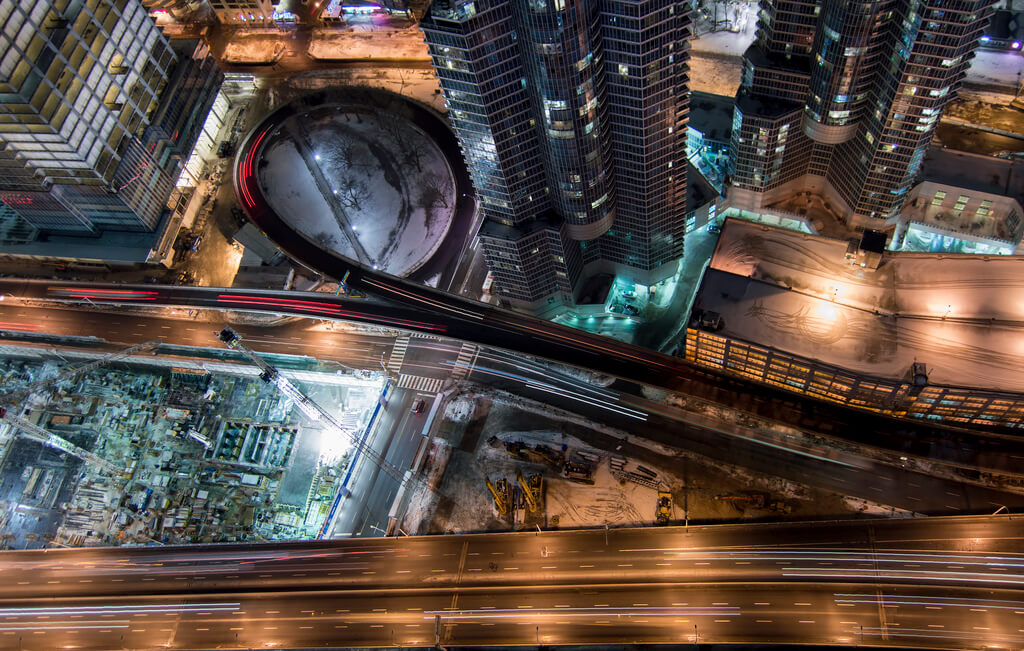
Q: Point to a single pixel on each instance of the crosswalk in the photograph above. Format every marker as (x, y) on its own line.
(464, 362)
(398, 354)
(419, 383)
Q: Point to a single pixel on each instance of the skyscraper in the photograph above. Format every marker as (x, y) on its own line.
(572, 118)
(843, 98)
(85, 143)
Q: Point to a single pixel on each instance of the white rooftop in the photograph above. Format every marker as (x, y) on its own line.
(962, 315)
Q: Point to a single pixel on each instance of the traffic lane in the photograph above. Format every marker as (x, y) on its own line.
(399, 450)
(767, 613)
(298, 337)
(540, 560)
(975, 534)
(430, 357)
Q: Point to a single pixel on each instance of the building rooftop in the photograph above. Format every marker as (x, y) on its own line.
(711, 115)
(798, 293)
(974, 172)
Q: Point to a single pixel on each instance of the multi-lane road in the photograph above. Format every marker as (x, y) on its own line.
(943, 583)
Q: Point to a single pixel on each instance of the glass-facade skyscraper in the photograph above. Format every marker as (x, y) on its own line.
(95, 112)
(843, 98)
(572, 118)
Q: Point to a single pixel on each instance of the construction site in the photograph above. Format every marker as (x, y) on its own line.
(129, 448)
(517, 465)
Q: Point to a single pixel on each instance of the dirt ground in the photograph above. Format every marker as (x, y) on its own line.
(697, 484)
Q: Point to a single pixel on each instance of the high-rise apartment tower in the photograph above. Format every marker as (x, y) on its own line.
(842, 98)
(572, 118)
(88, 139)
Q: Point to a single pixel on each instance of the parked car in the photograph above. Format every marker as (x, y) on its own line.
(631, 310)
(713, 227)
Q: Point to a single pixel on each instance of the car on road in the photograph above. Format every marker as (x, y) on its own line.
(631, 310)
(417, 407)
(713, 227)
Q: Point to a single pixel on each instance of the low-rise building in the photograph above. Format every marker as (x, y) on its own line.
(924, 335)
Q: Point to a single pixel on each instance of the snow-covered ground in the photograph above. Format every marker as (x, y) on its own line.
(391, 192)
(391, 44)
(254, 49)
(950, 312)
(696, 483)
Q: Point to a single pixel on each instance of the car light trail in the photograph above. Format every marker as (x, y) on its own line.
(576, 342)
(305, 307)
(427, 301)
(104, 294)
(915, 600)
(565, 393)
(44, 611)
(635, 611)
(7, 325)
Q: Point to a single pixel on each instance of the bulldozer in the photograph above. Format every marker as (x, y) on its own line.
(664, 507)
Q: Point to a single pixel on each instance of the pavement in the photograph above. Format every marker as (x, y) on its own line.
(910, 583)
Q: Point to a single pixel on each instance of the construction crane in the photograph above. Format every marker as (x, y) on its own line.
(309, 407)
(36, 433)
(19, 395)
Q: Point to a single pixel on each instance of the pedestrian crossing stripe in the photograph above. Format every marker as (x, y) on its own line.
(420, 383)
(420, 335)
(398, 354)
(464, 362)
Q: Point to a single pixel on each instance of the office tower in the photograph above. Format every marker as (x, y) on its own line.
(243, 11)
(86, 144)
(572, 117)
(842, 98)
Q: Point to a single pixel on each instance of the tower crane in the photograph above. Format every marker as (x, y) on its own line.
(19, 395)
(309, 407)
(36, 433)
(31, 431)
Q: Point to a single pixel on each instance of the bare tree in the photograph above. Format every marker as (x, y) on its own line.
(398, 133)
(434, 191)
(352, 193)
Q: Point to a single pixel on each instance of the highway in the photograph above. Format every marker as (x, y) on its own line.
(430, 361)
(941, 583)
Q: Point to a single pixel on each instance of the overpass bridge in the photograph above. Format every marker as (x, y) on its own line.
(937, 583)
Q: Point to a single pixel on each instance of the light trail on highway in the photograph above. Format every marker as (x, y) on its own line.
(928, 583)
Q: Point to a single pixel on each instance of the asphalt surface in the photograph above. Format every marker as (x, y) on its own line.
(943, 583)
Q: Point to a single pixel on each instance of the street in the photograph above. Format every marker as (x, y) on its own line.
(941, 583)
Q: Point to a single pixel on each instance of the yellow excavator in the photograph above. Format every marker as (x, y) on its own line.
(664, 507)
